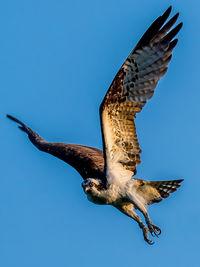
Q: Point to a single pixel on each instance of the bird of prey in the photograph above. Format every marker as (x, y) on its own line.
(108, 175)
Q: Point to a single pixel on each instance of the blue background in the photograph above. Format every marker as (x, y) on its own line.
(57, 59)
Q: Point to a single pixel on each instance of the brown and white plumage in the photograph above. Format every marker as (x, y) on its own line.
(108, 175)
(133, 85)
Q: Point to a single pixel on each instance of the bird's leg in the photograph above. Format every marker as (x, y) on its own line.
(154, 230)
(127, 209)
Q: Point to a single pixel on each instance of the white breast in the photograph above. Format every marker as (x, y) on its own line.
(107, 196)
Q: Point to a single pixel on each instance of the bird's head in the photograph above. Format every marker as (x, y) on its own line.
(91, 185)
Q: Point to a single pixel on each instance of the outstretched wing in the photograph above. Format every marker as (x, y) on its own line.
(88, 161)
(133, 85)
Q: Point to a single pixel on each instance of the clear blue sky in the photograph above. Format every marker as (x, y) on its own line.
(57, 59)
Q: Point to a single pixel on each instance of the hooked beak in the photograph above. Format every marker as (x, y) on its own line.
(86, 189)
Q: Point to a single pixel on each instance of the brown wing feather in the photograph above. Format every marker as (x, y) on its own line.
(88, 161)
(133, 85)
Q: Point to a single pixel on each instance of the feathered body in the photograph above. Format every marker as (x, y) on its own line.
(108, 175)
(142, 192)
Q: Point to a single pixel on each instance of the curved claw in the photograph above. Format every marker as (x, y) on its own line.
(146, 238)
(155, 230)
(151, 242)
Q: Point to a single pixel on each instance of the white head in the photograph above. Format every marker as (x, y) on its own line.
(91, 185)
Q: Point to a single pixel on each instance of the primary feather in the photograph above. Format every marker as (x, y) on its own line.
(133, 85)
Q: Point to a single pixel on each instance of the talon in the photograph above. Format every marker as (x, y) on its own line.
(151, 242)
(154, 230)
(152, 233)
(146, 238)
(157, 229)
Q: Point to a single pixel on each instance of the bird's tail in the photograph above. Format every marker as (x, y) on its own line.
(155, 191)
(166, 187)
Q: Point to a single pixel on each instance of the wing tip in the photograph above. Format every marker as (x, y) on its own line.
(176, 16)
(173, 44)
(167, 12)
(159, 25)
(12, 118)
(172, 33)
(22, 126)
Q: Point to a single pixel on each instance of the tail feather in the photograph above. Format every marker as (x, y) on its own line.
(166, 187)
(154, 191)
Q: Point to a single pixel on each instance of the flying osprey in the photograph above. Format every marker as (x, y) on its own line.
(108, 175)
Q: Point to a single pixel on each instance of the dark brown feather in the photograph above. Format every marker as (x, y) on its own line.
(165, 188)
(152, 31)
(88, 161)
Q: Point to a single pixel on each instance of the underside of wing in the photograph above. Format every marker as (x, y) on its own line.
(133, 85)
